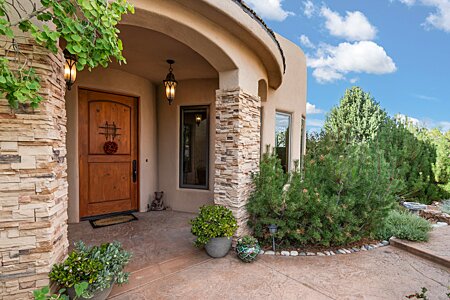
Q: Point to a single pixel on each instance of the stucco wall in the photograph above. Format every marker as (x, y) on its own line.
(290, 97)
(229, 53)
(189, 93)
(115, 81)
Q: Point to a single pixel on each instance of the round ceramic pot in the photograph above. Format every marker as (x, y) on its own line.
(98, 295)
(247, 253)
(218, 247)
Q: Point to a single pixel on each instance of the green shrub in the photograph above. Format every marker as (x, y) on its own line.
(404, 225)
(213, 221)
(265, 204)
(344, 195)
(446, 206)
(419, 156)
(99, 266)
(77, 267)
(113, 258)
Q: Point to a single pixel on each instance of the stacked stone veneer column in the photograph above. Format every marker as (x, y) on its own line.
(33, 184)
(237, 151)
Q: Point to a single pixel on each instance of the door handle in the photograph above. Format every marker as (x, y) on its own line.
(134, 170)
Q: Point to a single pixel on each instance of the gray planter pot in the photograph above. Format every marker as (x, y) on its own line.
(218, 247)
(98, 295)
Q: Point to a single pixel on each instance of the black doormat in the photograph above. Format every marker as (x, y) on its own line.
(113, 220)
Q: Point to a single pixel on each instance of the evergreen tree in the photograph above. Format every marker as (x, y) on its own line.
(358, 117)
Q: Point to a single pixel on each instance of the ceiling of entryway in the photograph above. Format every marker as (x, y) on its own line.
(146, 52)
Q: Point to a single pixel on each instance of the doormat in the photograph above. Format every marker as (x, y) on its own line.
(113, 220)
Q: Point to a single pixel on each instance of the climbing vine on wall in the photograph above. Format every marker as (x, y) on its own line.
(87, 26)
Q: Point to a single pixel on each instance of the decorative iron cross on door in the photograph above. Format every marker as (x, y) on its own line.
(110, 133)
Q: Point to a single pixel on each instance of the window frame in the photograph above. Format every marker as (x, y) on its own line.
(289, 148)
(193, 108)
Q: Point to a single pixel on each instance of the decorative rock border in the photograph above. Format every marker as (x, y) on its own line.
(342, 251)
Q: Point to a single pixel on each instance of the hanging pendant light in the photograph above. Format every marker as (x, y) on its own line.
(198, 119)
(70, 69)
(170, 83)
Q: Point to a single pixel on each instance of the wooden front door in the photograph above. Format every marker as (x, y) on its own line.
(107, 153)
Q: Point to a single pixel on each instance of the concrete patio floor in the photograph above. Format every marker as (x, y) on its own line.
(154, 238)
(384, 273)
(166, 265)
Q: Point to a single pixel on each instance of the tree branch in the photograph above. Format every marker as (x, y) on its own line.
(30, 16)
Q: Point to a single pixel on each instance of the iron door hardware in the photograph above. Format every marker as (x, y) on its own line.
(134, 170)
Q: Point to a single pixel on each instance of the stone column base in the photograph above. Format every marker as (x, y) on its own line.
(237, 151)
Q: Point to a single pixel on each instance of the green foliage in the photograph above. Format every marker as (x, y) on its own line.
(446, 206)
(77, 267)
(420, 158)
(357, 117)
(266, 203)
(404, 225)
(441, 168)
(413, 155)
(247, 241)
(213, 221)
(421, 295)
(344, 195)
(113, 258)
(100, 266)
(44, 293)
(87, 26)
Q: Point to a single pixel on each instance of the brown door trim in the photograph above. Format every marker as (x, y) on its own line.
(83, 144)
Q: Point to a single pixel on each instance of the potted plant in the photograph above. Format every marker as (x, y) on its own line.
(45, 293)
(99, 266)
(214, 227)
(247, 248)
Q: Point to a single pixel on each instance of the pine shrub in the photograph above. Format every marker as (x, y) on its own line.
(343, 195)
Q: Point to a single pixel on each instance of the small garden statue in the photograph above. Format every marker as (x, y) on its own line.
(157, 203)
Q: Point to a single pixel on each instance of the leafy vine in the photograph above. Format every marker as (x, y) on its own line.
(88, 28)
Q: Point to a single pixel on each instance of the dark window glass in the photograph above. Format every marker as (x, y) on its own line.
(194, 151)
(282, 138)
(302, 142)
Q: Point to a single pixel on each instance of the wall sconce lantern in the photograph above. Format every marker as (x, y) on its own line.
(170, 83)
(70, 69)
(198, 119)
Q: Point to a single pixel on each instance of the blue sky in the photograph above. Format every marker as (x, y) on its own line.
(397, 50)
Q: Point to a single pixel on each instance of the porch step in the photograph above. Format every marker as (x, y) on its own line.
(160, 270)
(437, 249)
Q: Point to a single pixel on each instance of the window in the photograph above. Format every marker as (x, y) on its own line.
(302, 142)
(194, 147)
(283, 138)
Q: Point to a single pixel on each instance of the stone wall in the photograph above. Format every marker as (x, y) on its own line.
(237, 151)
(33, 183)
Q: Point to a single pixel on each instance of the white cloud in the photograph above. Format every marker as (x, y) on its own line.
(353, 27)
(314, 122)
(405, 118)
(408, 2)
(311, 109)
(440, 19)
(354, 80)
(270, 9)
(444, 126)
(305, 41)
(426, 122)
(308, 8)
(425, 97)
(331, 63)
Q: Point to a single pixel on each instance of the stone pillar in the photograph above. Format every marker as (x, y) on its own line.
(33, 181)
(237, 151)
